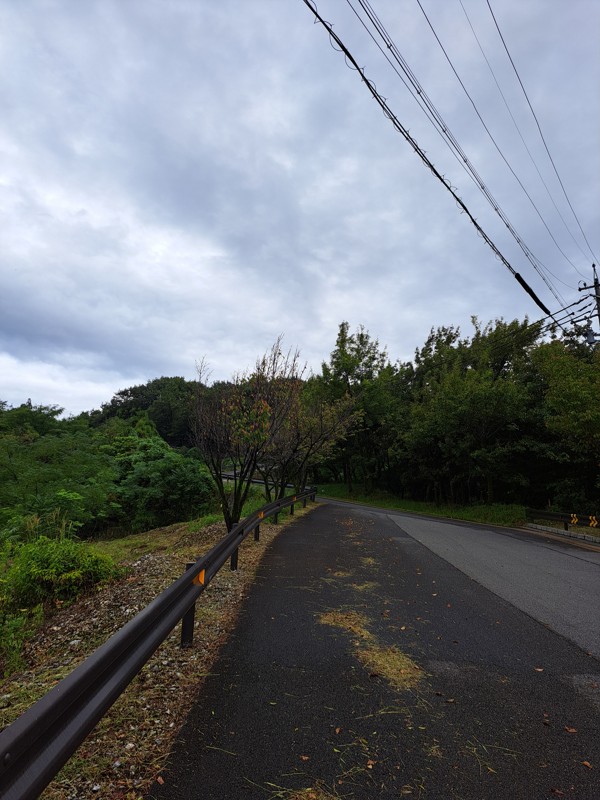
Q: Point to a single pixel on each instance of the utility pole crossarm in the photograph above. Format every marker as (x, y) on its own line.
(595, 287)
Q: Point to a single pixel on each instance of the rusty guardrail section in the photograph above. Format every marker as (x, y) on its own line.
(35, 747)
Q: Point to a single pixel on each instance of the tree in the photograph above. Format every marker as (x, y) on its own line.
(43, 459)
(159, 486)
(359, 372)
(473, 425)
(312, 428)
(167, 402)
(571, 412)
(235, 423)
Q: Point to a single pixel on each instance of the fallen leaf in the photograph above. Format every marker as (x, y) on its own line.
(403, 628)
(587, 764)
(539, 669)
(450, 700)
(338, 730)
(370, 764)
(160, 780)
(304, 758)
(557, 792)
(570, 730)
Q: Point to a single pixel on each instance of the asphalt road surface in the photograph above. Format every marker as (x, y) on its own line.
(385, 655)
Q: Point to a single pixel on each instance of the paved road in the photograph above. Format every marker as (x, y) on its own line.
(553, 581)
(369, 663)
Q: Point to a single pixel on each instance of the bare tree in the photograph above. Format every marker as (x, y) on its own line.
(235, 423)
(311, 430)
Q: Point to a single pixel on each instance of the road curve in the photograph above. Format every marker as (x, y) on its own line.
(553, 581)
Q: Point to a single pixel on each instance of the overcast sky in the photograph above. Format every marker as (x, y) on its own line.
(183, 179)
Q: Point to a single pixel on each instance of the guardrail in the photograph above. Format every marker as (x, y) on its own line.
(588, 520)
(35, 747)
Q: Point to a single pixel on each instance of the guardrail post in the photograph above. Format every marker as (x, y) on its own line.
(292, 509)
(275, 518)
(187, 621)
(234, 559)
(261, 515)
(304, 502)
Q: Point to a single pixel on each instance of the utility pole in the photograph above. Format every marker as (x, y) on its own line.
(593, 338)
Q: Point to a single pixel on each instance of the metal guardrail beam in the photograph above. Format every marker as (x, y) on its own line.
(587, 520)
(35, 747)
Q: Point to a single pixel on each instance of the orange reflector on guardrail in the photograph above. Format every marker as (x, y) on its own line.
(199, 578)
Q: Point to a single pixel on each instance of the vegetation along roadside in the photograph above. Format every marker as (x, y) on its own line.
(473, 427)
(130, 745)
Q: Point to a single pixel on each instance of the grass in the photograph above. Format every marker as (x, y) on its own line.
(400, 671)
(495, 514)
(351, 621)
(153, 707)
(128, 548)
(317, 792)
(15, 628)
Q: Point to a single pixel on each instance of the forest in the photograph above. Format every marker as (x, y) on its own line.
(500, 416)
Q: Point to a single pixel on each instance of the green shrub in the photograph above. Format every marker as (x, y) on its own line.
(52, 569)
(159, 486)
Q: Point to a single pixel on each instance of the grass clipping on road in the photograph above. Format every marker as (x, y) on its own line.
(400, 671)
(127, 750)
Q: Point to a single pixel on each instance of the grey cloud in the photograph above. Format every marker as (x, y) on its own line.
(193, 179)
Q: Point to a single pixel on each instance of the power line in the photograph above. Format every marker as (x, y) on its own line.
(533, 161)
(352, 63)
(540, 130)
(438, 121)
(491, 137)
(549, 322)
